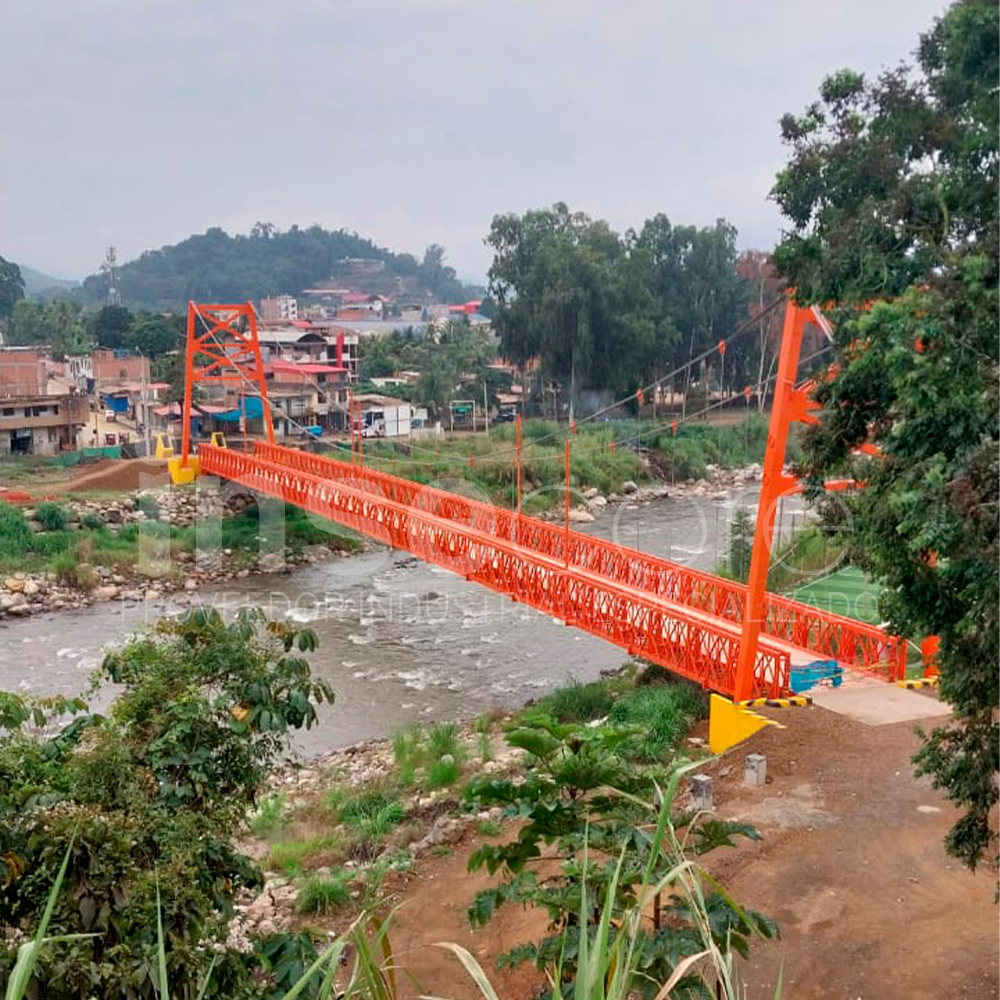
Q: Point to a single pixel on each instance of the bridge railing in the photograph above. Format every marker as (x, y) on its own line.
(828, 635)
(705, 652)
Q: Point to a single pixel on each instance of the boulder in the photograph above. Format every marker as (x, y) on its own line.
(629, 487)
(30, 588)
(14, 584)
(106, 592)
(580, 516)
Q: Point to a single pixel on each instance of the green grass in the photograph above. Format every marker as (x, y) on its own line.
(291, 856)
(578, 702)
(664, 711)
(844, 592)
(270, 817)
(322, 896)
(443, 772)
(438, 751)
(373, 813)
(487, 828)
(149, 545)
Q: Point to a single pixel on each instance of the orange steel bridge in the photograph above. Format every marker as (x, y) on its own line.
(690, 622)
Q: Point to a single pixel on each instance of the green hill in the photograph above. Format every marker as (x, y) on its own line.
(217, 267)
(40, 285)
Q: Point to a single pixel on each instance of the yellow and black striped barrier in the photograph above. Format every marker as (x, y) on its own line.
(914, 683)
(795, 701)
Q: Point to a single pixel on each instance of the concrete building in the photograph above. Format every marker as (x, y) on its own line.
(279, 309)
(34, 421)
(112, 367)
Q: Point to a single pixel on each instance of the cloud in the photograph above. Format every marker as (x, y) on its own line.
(411, 121)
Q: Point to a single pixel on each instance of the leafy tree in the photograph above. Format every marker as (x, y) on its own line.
(583, 795)
(699, 289)
(11, 287)
(111, 326)
(149, 798)
(216, 267)
(891, 190)
(56, 324)
(572, 293)
(740, 544)
(153, 334)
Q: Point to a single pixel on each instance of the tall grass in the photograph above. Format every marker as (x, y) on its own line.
(664, 711)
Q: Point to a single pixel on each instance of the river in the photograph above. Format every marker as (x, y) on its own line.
(400, 640)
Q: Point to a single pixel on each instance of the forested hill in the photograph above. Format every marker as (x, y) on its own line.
(217, 267)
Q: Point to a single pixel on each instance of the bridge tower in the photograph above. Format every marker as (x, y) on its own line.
(222, 346)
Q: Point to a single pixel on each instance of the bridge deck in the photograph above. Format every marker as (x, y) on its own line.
(688, 621)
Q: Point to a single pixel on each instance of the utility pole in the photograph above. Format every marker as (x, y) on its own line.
(486, 409)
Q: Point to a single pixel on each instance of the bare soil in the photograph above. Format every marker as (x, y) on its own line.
(852, 867)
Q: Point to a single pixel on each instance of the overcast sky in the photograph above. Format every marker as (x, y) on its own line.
(139, 122)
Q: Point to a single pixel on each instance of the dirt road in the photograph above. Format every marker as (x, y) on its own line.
(851, 866)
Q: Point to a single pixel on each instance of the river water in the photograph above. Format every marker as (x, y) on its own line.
(400, 640)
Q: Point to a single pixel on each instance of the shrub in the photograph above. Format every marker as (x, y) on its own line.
(578, 702)
(664, 714)
(609, 844)
(445, 771)
(322, 896)
(269, 818)
(70, 571)
(150, 796)
(93, 521)
(52, 516)
(147, 504)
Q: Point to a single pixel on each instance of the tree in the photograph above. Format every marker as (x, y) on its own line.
(764, 283)
(699, 290)
(891, 190)
(111, 326)
(571, 292)
(11, 287)
(55, 324)
(153, 334)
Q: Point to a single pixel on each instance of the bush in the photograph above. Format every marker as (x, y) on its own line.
(579, 702)
(150, 797)
(93, 521)
(663, 713)
(445, 771)
(52, 516)
(70, 571)
(269, 818)
(322, 896)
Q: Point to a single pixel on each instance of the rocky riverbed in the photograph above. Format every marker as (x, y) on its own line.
(23, 593)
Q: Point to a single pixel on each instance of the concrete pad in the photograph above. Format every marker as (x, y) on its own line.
(879, 704)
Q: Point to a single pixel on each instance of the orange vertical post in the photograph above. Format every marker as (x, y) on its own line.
(361, 439)
(188, 387)
(518, 448)
(774, 484)
(566, 536)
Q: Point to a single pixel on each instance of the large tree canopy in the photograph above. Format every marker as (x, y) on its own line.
(11, 287)
(608, 311)
(891, 190)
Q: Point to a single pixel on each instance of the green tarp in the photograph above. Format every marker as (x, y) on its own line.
(70, 458)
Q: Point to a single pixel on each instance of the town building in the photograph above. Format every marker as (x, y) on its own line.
(279, 309)
(34, 421)
(112, 367)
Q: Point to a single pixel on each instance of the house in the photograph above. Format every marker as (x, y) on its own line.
(279, 309)
(113, 366)
(384, 416)
(328, 388)
(34, 421)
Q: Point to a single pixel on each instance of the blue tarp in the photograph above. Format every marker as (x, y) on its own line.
(252, 409)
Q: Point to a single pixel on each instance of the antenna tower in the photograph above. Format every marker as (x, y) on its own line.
(110, 268)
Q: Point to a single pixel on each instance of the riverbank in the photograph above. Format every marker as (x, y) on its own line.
(147, 544)
(144, 545)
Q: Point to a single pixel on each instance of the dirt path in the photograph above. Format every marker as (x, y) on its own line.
(851, 866)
